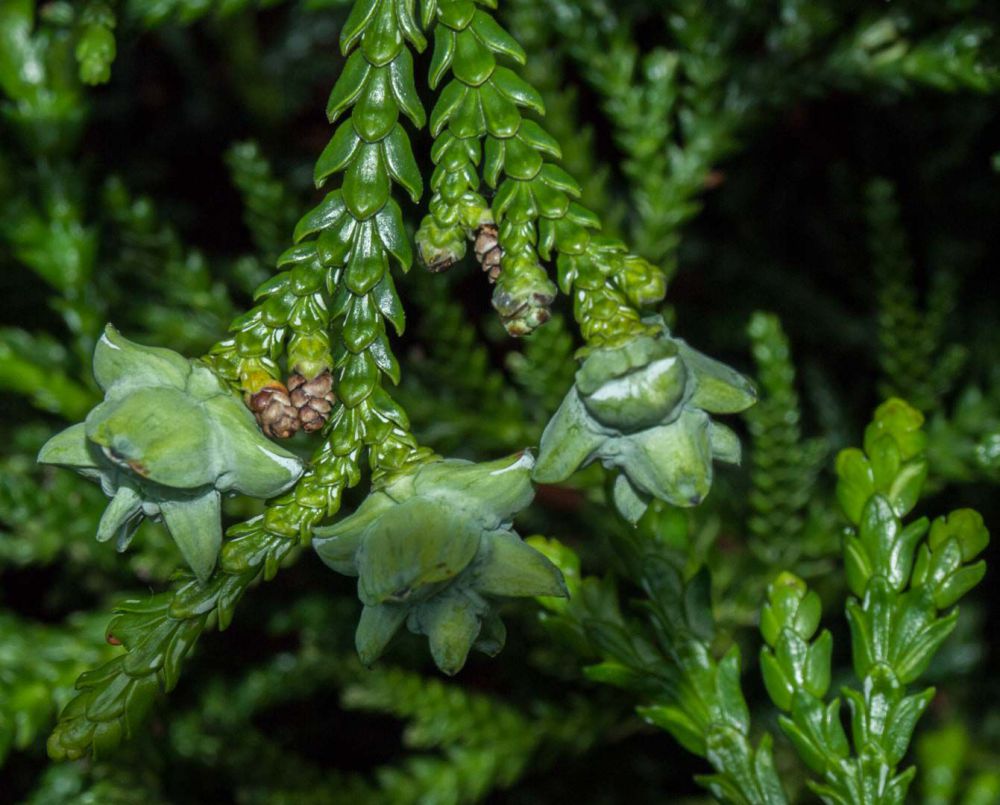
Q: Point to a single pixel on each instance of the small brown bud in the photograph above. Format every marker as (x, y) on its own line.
(488, 251)
(313, 399)
(275, 413)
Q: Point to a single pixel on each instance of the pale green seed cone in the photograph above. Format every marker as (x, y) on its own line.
(125, 506)
(673, 462)
(640, 398)
(157, 433)
(725, 444)
(195, 525)
(376, 628)
(121, 365)
(718, 388)
(69, 448)
(569, 441)
(415, 544)
(452, 623)
(629, 501)
(492, 635)
(507, 566)
(490, 492)
(251, 464)
(337, 544)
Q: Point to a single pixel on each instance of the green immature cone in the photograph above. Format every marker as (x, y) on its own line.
(643, 407)
(644, 283)
(167, 441)
(433, 549)
(440, 247)
(522, 297)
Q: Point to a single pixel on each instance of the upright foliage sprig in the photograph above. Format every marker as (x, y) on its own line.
(785, 465)
(916, 362)
(96, 48)
(904, 580)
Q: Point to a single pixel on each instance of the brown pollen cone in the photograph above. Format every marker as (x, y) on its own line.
(313, 399)
(275, 413)
(488, 251)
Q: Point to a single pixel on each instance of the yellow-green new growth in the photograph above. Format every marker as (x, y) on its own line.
(903, 578)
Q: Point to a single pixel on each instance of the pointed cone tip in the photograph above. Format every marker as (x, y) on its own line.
(67, 448)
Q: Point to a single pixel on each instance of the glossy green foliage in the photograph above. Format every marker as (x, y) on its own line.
(166, 442)
(296, 307)
(916, 363)
(330, 302)
(158, 634)
(904, 581)
(482, 136)
(431, 549)
(643, 408)
(541, 35)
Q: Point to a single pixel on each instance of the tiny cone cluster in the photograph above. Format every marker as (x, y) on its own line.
(312, 399)
(488, 250)
(304, 403)
(275, 413)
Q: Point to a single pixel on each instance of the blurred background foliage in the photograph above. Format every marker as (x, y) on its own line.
(819, 178)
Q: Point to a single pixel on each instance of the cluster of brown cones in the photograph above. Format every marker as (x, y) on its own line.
(281, 410)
